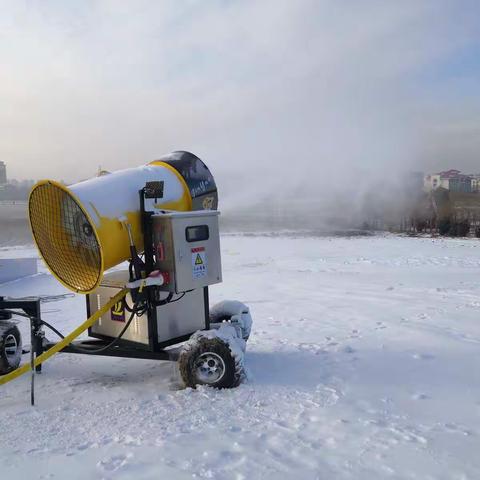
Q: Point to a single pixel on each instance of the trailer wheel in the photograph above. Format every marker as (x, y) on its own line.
(10, 347)
(209, 361)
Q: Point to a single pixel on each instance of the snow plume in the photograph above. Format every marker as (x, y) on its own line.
(282, 99)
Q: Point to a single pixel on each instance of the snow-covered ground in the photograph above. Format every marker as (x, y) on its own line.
(363, 364)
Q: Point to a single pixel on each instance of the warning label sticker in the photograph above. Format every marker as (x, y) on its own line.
(199, 262)
(117, 312)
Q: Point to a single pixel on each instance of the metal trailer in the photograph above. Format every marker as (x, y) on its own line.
(165, 313)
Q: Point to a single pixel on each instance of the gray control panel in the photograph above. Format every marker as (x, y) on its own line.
(187, 248)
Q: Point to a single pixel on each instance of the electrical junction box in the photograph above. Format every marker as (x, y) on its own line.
(187, 248)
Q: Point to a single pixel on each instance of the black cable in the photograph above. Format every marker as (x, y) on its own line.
(75, 347)
(130, 271)
(53, 329)
(96, 350)
(181, 296)
(178, 298)
(159, 303)
(128, 308)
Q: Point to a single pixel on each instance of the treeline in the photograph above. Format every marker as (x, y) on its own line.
(457, 228)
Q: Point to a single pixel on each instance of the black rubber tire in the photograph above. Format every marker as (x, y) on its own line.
(233, 373)
(7, 363)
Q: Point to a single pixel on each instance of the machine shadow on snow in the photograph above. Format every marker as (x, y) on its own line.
(262, 368)
(139, 372)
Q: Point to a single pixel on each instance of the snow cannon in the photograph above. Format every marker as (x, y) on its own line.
(81, 230)
(162, 219)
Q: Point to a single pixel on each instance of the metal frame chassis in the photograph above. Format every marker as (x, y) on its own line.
(121, 351)
(124, 348)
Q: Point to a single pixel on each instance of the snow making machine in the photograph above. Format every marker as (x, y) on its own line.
(162, 219)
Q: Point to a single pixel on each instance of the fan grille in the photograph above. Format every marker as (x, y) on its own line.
(65, 237)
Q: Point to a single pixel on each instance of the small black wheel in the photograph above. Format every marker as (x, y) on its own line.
(209, 361)
(10, 347)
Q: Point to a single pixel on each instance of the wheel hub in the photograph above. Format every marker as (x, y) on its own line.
(11, 346)
(209, 368)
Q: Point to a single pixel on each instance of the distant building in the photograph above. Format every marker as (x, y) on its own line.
(476, 183)
(3, 173)
(452, 180)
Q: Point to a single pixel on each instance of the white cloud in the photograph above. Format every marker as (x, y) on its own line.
(270, 93)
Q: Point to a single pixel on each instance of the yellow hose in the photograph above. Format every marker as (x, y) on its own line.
(66, 341)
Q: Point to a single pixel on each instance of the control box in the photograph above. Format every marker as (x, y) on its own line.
(187, 248)
(162, 325)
